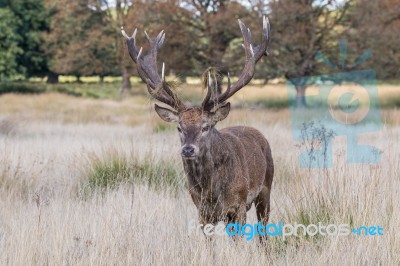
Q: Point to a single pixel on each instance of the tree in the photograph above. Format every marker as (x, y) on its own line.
(178, 49)
(199, 32)
(377, 31)
(301, 28)
(117, 12)
(214, 25)
(79, 41)
(31, 19)
(9, 44)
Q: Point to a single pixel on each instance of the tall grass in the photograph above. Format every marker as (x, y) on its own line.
(131, 217)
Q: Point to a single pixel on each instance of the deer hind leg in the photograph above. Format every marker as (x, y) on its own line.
(262, 203)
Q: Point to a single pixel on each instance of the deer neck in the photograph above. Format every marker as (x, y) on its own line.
(212, 155)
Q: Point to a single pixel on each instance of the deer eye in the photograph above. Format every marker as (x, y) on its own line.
(179, 129)
(205, 128)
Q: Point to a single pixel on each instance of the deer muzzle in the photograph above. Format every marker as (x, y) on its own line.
(189, 151)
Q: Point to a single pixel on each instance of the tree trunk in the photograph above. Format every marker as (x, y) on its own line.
(301, 96)
(126, 80)
(101, 79)
(182, 78)
(52, 78)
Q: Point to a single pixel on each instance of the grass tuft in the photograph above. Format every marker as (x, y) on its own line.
(115, 169)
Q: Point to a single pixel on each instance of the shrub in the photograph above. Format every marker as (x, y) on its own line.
(269, 103)
(86, 90)
(64, 90)
(20, 87)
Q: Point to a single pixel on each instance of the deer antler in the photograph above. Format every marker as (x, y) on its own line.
(147, 69)
(253, 55)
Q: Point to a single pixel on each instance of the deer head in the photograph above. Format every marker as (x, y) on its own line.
(194, 124)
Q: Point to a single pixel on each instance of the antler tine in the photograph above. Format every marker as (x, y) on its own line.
(163, 72)
(209, 90)
(253, 55)
(147, 69)
(131, 43)
(262, 48)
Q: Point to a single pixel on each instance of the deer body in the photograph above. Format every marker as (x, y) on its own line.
(232, 172)
(227, 170)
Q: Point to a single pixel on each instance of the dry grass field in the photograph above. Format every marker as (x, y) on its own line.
(100, 182)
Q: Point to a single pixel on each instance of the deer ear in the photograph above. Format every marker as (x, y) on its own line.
(166, 114)
(221, 113)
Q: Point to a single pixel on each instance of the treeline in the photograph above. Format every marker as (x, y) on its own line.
(48, 38)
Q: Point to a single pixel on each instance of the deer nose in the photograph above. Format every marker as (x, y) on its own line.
(188, 151)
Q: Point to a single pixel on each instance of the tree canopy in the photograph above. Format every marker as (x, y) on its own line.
(82, 38)
(9, 44)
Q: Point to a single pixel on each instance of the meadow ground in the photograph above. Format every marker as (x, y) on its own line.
(100, 182)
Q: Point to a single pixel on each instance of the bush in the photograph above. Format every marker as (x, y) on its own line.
(20, 87)
(64, 90)
(269, 103)
(86, 90)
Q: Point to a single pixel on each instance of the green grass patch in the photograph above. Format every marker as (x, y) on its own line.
(114, 169)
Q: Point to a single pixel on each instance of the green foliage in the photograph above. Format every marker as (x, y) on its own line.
(273, 103)
(22, 87)
(86, 90)
(382, 37)
(80, 41)
(30, 19)
(9, 44)
(82, 38)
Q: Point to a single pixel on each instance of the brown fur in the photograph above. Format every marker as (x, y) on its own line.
(191, 116)
(227, 170)
(234, 168)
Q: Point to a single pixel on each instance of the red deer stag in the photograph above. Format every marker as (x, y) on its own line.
(227, 169)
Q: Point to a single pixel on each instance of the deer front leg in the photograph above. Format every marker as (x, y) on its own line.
(236, 215)
(241, 214)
